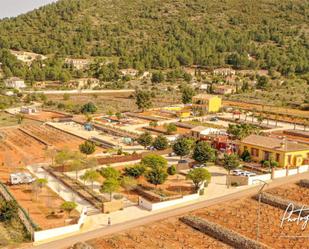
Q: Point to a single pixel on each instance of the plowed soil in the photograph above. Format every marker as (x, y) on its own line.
(241, 216)
(167, 234)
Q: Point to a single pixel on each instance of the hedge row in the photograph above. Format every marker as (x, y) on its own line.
(281, 203)
(223, 234)
(304, 183)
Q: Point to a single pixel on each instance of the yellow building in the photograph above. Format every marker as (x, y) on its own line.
(207, 103)
(286, 153)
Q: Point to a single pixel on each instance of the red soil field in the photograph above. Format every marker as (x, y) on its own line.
(292, 192)
(170, 233)
(45, 116)
(241, 216)
(17, 148)
(38, 204)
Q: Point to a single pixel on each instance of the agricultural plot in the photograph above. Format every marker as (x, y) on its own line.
(238, 216)
(292, 192)
(241, 216)
(17, 148)
(115, 102)
(52, 136)
(42, 204)
(45, 116)
(169, 233)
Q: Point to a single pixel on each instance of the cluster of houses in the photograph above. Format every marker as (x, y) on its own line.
(286, 152)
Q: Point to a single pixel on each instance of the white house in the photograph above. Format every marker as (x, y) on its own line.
(129, 71)
(28, 110)
(15, 82)
(79, 64)
(224, 71)
(203, 87)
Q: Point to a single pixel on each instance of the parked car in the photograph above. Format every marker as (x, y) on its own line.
(214, 119)
(240, 172)
(201, 165)
(237, 172)
(21, 178)
(151, 148)
(172, 154)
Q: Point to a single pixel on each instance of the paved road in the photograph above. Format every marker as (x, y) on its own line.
(81, 91)
(66, 242)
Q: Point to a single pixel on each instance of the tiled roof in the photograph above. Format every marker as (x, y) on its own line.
(274, 143)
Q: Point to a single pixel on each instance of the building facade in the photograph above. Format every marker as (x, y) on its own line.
(207, 103)
(286, 153)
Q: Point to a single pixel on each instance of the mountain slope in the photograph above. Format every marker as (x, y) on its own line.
(168, 33)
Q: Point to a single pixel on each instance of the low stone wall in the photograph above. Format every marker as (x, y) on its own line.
(153, 197)
(112, 206)
(283, 204)
(304, 183)
(221, 233)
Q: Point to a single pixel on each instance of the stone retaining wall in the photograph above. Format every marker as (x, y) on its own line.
(221, 233)
(304, 183)
(283, 204)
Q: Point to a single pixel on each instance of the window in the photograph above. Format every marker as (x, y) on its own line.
(289, 159)
(277, 157)
(254, 152)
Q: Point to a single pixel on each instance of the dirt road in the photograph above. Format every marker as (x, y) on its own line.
(66, 242)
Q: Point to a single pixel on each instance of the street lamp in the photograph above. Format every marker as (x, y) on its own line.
(259, 208)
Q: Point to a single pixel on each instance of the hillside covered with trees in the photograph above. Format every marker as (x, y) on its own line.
(160, 34)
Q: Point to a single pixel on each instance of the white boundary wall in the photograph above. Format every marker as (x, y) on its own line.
(255, 179)
(164, 204)
(280, 173)
(293, 172)
(51, 233)
(277, 174)
(303, 168)
(150, 206)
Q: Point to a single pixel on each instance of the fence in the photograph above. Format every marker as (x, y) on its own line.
(51, 233)
(278, 174)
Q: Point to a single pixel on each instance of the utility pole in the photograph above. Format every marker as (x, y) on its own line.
(259, 208)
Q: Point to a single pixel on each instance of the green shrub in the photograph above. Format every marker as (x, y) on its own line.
(135, 171)
(171, 170)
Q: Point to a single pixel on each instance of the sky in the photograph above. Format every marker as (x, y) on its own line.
(11, 8)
